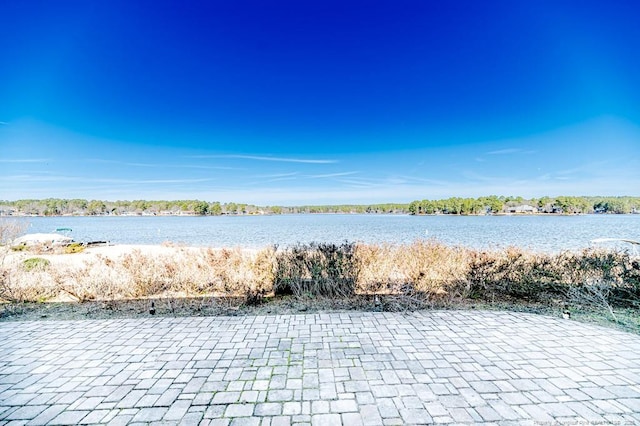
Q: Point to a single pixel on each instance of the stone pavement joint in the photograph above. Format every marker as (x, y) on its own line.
(352, 368)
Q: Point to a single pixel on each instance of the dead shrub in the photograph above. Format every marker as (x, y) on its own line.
(150, 275)
(412, 276)
(92, 281)
(619, 272)
(378, 269)
(36, 285)
(522, 275)
(316, 269)
(514, 273)
(595, 296)
(9, 231)
(433, 268)
(239, 273)
(423, 267)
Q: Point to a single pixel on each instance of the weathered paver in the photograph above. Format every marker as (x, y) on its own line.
(347, 368)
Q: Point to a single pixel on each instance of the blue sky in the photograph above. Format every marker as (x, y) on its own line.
(319, 102)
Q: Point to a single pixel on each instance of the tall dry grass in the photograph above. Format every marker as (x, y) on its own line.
(425, 270)
(183, 272)
(424, 266)
(9, 231)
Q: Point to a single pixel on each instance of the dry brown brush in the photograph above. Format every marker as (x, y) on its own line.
(416, 275)
(182, 272)
(9, 230)
(316, 269)
(411, 276)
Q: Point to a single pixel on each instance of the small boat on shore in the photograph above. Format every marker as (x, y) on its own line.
(54, 239)
(43, 239)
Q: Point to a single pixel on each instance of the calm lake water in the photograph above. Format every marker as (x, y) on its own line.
(540, 233)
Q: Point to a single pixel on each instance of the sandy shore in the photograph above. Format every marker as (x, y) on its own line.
(113, 252)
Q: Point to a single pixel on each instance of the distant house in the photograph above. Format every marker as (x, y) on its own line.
(522, 208)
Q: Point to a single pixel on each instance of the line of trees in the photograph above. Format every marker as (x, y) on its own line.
(81, 207)
(459, 206)
(500, 204)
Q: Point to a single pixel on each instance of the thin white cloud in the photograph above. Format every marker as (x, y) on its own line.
(25, 160)
(592, 168)
(84, 179)
(122, 163)
(149, 181)
(420, 180)
(359, 183)
(266, 158)
(162, 166)
(503, 151)
(477, 177)
(289, 176)
(40, 178)
(331, 175)
(508, 151)
(276, 175)
(390, 181)
(598, 170)
(282, 179)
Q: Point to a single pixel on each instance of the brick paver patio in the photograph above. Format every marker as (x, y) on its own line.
(320, 369)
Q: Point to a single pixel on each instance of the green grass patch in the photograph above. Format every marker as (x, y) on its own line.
(35, 264)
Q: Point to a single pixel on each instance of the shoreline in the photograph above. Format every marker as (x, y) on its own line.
(23, 216)
(372, 277)
(114, 252)
(549, 234)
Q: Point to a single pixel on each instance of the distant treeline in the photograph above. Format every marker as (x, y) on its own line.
(454, 205)
(494, 204)
(80, 207)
